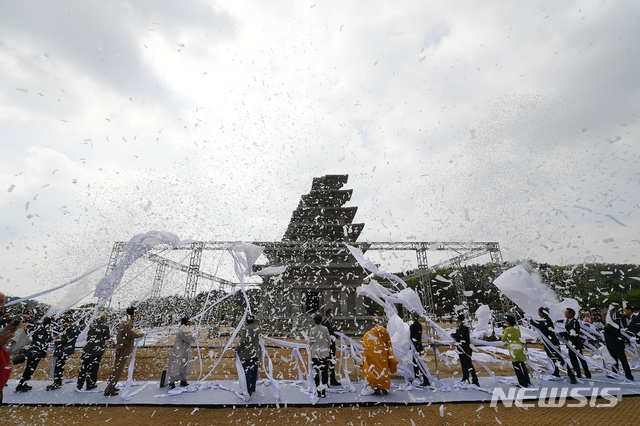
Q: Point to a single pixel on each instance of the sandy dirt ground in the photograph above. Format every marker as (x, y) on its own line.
(151, 361)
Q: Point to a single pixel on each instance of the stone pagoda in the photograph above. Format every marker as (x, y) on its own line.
(321, 273)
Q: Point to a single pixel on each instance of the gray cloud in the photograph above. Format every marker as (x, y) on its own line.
(105, 42)
(489, 121)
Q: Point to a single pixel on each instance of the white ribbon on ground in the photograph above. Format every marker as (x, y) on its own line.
(268, 370)
(295, 352)
(242, 378)
(443, 387)
(127, 386)
(311, 383)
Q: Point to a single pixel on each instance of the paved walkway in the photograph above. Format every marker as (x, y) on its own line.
(225, 394)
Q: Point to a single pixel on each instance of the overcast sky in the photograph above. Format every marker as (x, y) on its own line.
(504, 121)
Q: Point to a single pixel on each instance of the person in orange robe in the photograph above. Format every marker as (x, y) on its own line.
(378, 362)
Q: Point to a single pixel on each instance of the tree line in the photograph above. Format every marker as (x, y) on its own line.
(591, 284)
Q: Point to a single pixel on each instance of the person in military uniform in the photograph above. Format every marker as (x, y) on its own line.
(124, 347)
(63, 348)
(92, 353)
(40, 339)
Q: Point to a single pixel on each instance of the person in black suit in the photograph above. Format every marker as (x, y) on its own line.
(573, 338)
(332, 349)
(615, 341)
(415, 332)
(635, 318)
(463, 347)
(632, 320)
(551, 343)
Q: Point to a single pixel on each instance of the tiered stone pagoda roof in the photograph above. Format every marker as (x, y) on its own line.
(321, 217)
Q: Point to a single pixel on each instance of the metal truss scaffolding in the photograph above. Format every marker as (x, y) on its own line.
(463, 251)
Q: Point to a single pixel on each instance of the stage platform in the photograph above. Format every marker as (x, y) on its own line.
(219, 394)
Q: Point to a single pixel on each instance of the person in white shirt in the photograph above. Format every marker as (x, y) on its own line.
(319, 346)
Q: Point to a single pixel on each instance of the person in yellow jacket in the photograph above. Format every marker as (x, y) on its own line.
(512, 336)
(378, 361)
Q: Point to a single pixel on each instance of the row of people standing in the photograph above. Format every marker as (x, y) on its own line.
(551, 344)
(92, 353)
(378, 359)
(515, 345)
(322, 347)
(64, 346)
(516, 349)
(617, 329)
(615, 334)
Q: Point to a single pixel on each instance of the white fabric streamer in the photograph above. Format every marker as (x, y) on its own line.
(42, 293)
(242, 378)
(398, 330)
(518, 285)
(159, 282)
(267, 366)
(371, 267)
(137, 247)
